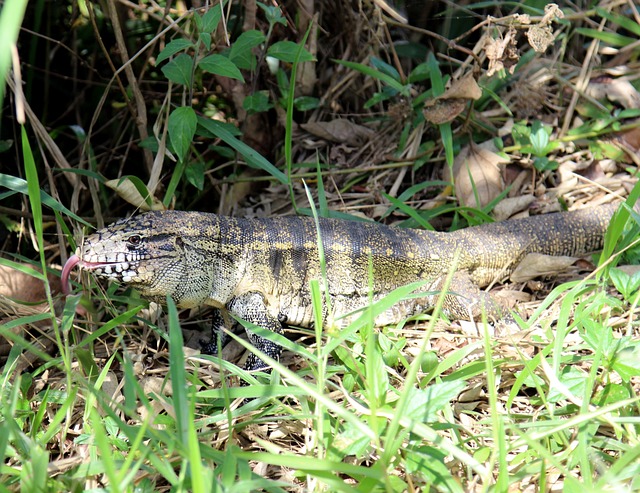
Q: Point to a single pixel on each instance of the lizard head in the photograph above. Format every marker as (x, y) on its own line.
(134, 252)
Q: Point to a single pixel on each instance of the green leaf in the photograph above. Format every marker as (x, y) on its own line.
(289, 52)
(178, 374)
(385, 68)
(611, 393)
(609, 38)
(626, 284)
(424, 404)
(539, 139)
(625, 22)
(20, 185)
(544, 164)
(211, 18)
(257, 102)
(573, 379)
(195, 174)
(306, 103)
(419, 73)
(220, 65)
(182, 128)
(205, 39)
(627, 362)
(179, 70)
(273, 14)
(5, 145)
(172, 48)
(240, 52)
(376, 74)
(252, 156)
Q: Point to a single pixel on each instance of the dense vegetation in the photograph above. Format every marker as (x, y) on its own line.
(422, 114)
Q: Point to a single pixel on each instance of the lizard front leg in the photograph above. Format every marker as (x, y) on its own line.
(219, 337)
(252, 307)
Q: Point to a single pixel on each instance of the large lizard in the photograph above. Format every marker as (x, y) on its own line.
(259, 270)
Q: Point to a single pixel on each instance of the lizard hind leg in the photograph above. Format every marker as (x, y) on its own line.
(465, 300)
(252, 307)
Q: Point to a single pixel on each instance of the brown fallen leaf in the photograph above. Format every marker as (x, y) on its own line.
(24, 288)
(537, 264)
(477, 174)
(340, 130)
(540, 36)
(511, 205)
(453, 101)
(502, 53)
(619, 91)
(440, 111)
(465, 87)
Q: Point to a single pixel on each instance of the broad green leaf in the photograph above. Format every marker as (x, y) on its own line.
(257, 102)
(211, 18)
(273, 14)
(179, 70)
(240, 52)
(306, 103)
(290, 52)
(627, 362)
(252, 156)
(539, 140)
(182, 128)
(172, 48)
(220, 65)
(574, 381)
(205, 39)
(195, 174)
(424, 404)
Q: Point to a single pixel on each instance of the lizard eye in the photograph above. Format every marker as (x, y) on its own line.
(134, 240)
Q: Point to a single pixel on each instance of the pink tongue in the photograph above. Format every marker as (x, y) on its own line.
(66, 270)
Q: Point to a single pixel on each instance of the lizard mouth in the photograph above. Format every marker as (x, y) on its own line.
(75, 260)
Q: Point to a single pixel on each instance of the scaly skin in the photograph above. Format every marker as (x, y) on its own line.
(259, 269)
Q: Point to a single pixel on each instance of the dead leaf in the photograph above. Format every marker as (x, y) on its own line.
(340, 130)
(477, 174)
(619, 91)
(125, 188)
(438, 111)
(25, 288)
(306, 78)
(537, 264)
(511, 205)
(465, 87)
(502, 53)
(453, 101)
(540, 37)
